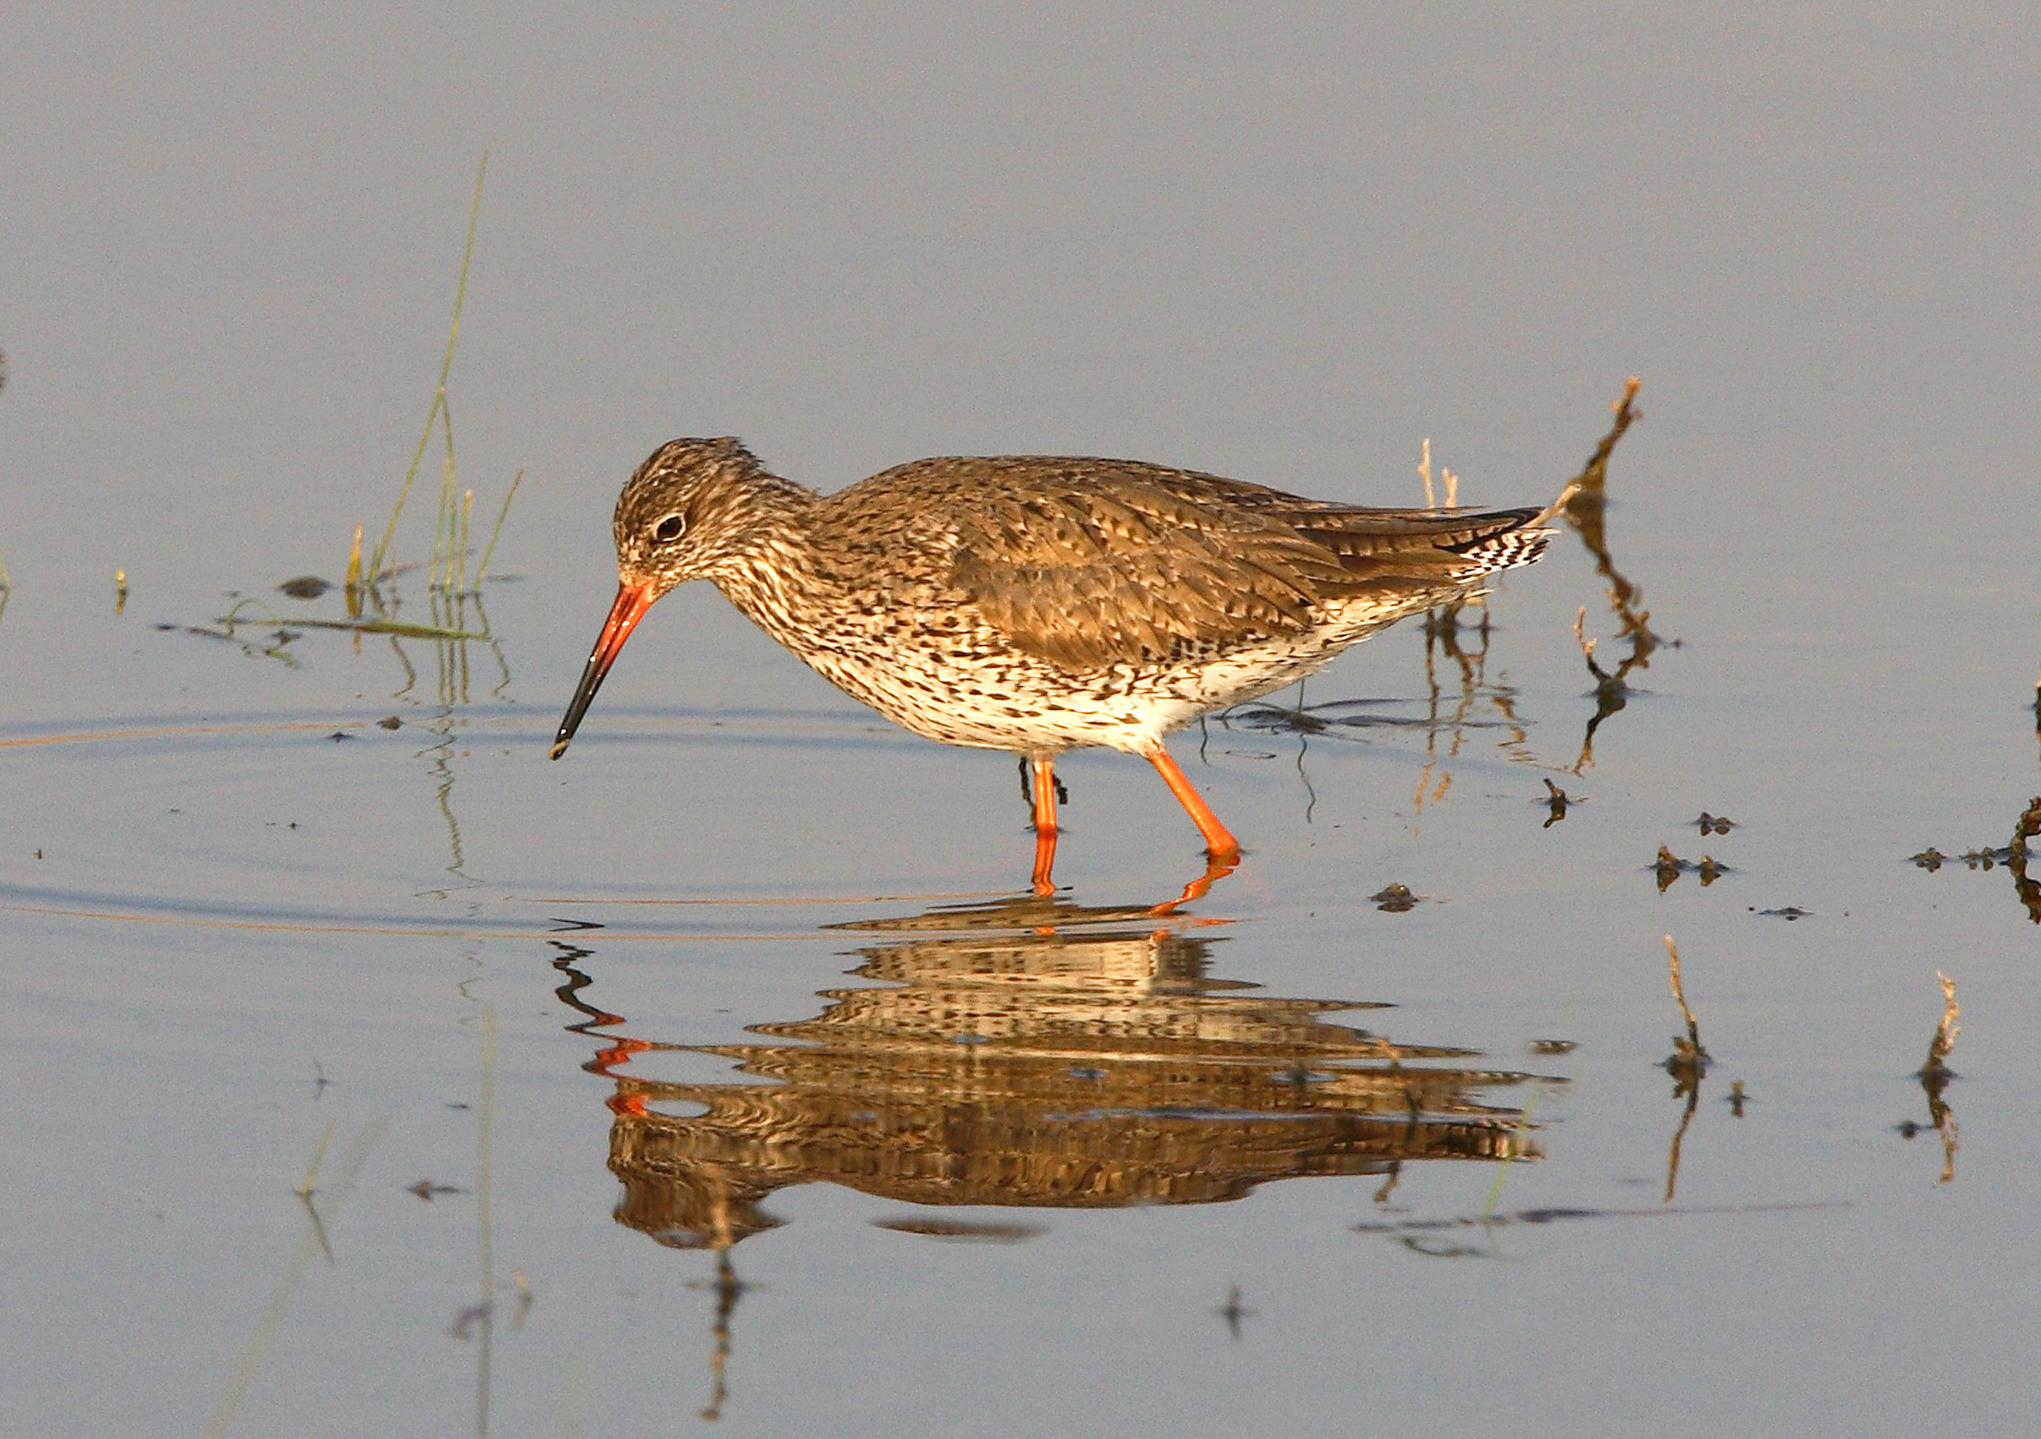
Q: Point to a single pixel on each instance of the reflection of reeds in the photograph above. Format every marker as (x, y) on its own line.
(485, 1126)
(272, 1317)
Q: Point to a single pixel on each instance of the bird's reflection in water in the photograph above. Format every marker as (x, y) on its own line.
(1032, 1052)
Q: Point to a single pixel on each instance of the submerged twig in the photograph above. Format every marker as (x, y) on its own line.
(1680, 997)
(1945, 1032)
(1934, 1077)
(1686, 1064)
(1584, 505)
(404, 628)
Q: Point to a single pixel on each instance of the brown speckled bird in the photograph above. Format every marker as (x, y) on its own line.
(1039, 604)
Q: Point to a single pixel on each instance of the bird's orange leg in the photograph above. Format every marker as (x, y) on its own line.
(1045, 822)
(1220, 844)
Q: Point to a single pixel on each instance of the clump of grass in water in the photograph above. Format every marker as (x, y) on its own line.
(370, 608)
(449, 584)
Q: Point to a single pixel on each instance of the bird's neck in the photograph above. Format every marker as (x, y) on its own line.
(769, 570)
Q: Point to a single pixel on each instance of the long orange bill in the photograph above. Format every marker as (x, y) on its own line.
(632, 602)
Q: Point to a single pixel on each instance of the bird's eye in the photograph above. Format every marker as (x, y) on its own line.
(669, 529)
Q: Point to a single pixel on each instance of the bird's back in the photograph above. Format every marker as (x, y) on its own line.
(1087, 562)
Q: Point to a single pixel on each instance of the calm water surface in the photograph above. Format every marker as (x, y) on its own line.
(721, 1071)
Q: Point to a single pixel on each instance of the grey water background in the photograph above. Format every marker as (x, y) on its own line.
(1283, 244)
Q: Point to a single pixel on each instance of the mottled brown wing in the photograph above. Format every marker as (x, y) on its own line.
(1090, 562)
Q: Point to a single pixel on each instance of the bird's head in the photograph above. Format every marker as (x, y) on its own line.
(681, 517)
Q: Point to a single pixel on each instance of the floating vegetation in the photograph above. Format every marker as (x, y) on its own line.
(1395, 899)
(1233, 1311)
(1557, 800)
(1669, 867)
(426, 1190)
(2012, 857)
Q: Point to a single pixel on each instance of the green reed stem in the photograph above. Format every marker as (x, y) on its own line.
(497, 533)
(446, 368)
(443, 526)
